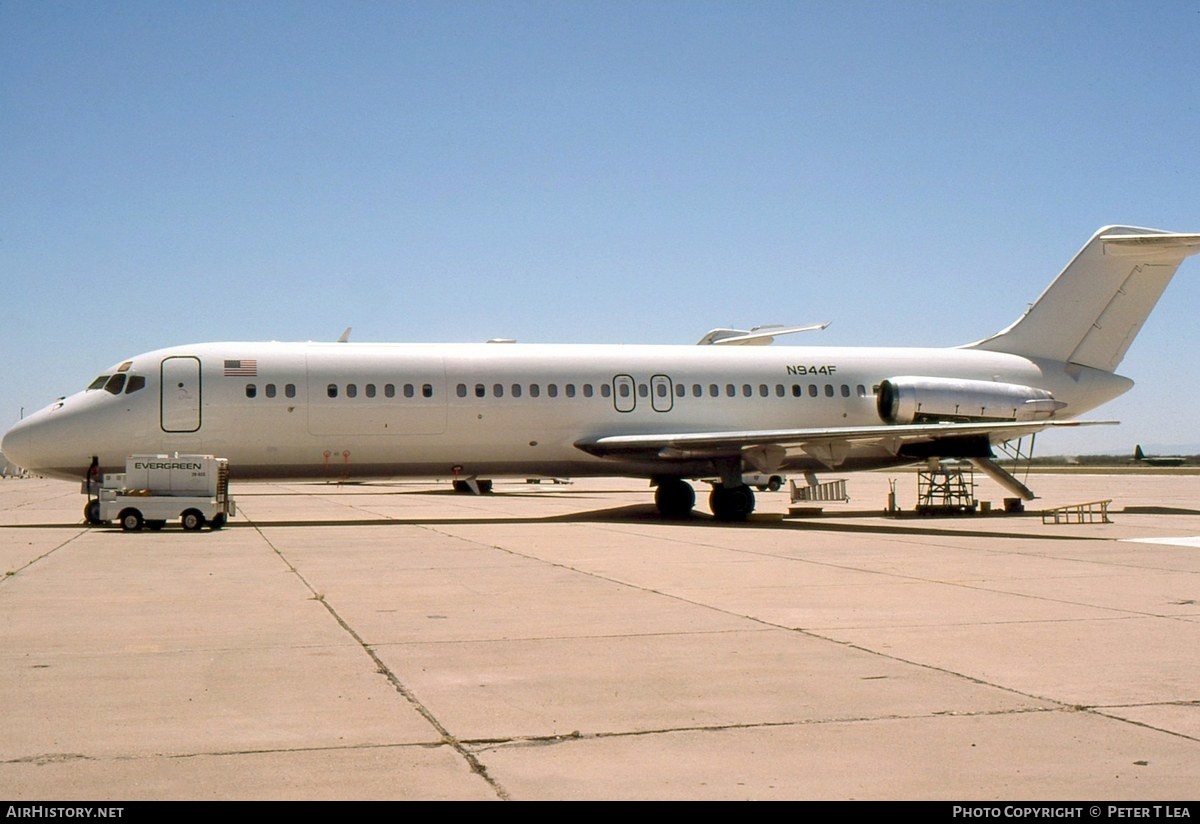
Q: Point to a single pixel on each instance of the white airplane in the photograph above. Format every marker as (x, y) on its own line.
(666, 413)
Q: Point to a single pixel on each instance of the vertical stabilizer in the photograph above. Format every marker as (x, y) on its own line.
(1091, 312)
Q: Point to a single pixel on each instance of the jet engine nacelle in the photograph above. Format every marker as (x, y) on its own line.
(912, 399)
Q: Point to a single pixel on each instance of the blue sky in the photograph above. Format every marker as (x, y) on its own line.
(913, 172)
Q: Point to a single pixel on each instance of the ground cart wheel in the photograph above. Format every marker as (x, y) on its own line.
(192, 520)
(131, 520)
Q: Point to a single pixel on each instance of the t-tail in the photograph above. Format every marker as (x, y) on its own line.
(1093, 310)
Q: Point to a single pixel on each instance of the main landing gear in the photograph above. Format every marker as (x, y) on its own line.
(731, 503)
(675, 498)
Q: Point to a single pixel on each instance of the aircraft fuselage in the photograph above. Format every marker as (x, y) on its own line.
(346, 410)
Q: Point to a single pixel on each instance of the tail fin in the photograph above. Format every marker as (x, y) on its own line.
(1091, 312)
(1138, 454)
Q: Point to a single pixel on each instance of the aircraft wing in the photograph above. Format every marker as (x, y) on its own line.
(766, 449)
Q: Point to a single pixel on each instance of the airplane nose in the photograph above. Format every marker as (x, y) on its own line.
(16, 445)
(36, 442)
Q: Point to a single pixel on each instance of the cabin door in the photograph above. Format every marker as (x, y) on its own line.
(624, 393)
(180, 387)
(662, 394)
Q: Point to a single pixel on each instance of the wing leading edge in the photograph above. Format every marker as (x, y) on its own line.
(766, 450)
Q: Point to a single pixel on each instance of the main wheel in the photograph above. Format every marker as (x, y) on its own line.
(775, 483)
(131, 520)
(218, 521)
(731, 503)
(192, 520)
(674, 498)
(484, 487)
(91, 512)
(155, 525)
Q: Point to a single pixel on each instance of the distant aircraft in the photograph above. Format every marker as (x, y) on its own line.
(670, 414)
(1156, 460)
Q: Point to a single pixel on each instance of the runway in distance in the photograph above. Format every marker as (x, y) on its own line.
(668, 413)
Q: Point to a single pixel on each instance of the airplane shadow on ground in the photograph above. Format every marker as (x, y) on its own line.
(628, 515)
(1159, 510)
(873, 524)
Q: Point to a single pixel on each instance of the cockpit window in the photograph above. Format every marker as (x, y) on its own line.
(135, 383)
(115, 384)
(125, 366)
(98, 383)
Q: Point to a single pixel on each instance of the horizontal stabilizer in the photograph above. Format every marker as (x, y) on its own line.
(758, 336)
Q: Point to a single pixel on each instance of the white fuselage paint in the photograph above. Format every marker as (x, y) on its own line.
(189, 404)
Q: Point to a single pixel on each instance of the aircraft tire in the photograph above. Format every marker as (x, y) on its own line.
(462, 487)
(218, 521)
(775, 483)
(131, 520)
(91, 512)
(674, 498)
(192, 520)
(155, 526)
(733, 503)
(485, 487)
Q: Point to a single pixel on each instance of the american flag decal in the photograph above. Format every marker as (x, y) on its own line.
(244, 368)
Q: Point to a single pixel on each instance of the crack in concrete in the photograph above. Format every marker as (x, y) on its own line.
(1055, 704)
(576, 735)
(447, 737)
(9, 574)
